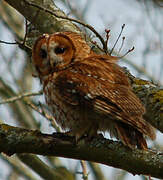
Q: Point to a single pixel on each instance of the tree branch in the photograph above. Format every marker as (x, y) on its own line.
(41, 168)
(42, 20)
(59, 19)
(19, 140)
(151, 96)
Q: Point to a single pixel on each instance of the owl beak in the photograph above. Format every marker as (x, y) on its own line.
(55, 60)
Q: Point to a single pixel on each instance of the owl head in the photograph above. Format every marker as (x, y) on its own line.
(58, 51)
(61, 51)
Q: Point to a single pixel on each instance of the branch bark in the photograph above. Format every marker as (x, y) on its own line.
(111, 153)
(151, 96)
(43, 21)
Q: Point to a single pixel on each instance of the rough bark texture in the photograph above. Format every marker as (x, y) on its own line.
(151, 96)
(43, 21)
(112, 153)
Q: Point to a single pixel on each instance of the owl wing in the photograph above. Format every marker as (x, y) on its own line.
(103, 87)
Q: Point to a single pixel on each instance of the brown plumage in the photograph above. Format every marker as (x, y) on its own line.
(86, 92)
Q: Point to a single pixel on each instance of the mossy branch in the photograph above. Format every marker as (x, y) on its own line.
(151, 96)
(19, 140)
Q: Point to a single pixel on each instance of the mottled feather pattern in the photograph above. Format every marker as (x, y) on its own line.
(86, 92)
(120, 96)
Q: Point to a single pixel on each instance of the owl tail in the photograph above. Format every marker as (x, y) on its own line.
(131, 137)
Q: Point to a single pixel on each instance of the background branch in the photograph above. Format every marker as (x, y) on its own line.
(50, 23)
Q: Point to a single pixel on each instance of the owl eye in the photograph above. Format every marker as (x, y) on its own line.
(43, 53)
(59, 50)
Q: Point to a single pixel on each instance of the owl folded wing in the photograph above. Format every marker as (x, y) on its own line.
(104, 91)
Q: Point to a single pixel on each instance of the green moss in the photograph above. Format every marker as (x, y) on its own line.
(140, 81)
(5, 127)
(158, 96)
(137, 88)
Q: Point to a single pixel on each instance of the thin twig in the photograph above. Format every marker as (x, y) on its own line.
(130, 50)
(84, 168)
(97, 46)
(21, 45)
(107, 31)
(18, 97)
(70, 19)
(123, 39)
(117, 39)
(5, 42)
(44, 114)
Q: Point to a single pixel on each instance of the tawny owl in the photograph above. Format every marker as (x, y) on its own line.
(86, 92)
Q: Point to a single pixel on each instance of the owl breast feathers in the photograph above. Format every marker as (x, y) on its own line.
(86, 92)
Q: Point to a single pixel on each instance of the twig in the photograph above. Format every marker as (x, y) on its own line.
(97, 46)
(21, 45)
(123, 39)
(70, 19)
(84, 168)
(117, 39)
(16, 98)
(5, 42)
(130, 50)
(44, 114)
(107, 36)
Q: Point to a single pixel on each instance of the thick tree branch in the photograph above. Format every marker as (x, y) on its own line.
(61, 21)
(43, 21)
(151, 96)
(19, 140)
